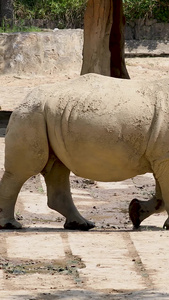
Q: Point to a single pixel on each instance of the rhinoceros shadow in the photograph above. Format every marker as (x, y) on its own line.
(96, 295)
(92, 231)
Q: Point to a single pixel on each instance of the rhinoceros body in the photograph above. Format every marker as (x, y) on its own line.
(98, 127)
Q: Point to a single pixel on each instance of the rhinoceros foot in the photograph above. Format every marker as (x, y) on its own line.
(74, 225)
(166, 224)
(134, 212)
(12, 224)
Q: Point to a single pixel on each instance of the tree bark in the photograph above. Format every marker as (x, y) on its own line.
(116, 45)
(97, 27)
(103, 50)
(6, 12)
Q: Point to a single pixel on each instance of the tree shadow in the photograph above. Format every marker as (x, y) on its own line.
(97, 295)
(150, 45)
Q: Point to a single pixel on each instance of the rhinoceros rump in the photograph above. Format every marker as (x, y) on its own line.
(98, 127)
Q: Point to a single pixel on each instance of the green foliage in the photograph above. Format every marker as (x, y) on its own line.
(151, 9)
(67, 13)
(70, 13)
(6, 27)
(20, 28)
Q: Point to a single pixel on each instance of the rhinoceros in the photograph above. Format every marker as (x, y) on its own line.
(98, 127)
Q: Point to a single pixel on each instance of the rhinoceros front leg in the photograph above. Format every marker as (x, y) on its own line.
(140, 210)
(163, 177)
(59, 196)
(9, 189)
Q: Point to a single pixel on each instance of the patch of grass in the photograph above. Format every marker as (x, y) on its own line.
(69, 267)
(7, 29)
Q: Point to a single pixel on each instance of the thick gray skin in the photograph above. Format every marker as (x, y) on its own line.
(98, 127)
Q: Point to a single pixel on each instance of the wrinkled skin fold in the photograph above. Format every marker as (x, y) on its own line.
(98, 127)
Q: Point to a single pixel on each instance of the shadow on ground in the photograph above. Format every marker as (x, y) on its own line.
(96, 230)
(94, 295)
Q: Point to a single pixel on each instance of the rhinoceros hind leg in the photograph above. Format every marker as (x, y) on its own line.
(26, 154)
(56, 176)
(9, 189)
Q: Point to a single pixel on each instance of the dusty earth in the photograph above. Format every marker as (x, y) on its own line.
(30, 269)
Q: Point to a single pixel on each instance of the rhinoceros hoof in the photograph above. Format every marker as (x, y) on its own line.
(11, 225)
(134, 212)
(166, 225)
(77, 226)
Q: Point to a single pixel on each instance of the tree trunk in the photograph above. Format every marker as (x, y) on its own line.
(6, 12)
(97, 27)
(117, 64)
(103, 50)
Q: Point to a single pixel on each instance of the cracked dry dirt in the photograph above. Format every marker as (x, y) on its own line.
(45, 262)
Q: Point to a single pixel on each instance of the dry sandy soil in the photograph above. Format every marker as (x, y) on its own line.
(107, 214)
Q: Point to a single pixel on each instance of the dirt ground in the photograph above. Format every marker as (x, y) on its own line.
(93, 199)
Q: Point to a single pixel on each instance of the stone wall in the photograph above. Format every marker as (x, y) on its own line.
(147, 30)
(60, 51)
(42, 52)
(147, 38)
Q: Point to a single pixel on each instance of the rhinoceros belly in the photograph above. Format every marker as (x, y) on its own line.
(106, 164)
(100, 147)
(100, 127)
